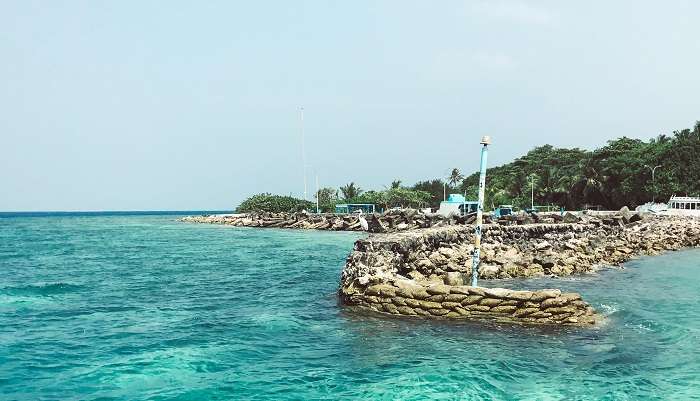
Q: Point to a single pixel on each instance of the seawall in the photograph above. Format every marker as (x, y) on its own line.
(416, 265)
(422, 272)
(391, 221)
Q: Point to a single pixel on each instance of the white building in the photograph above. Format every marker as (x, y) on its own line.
(457, 205)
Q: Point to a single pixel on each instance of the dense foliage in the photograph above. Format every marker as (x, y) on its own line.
(394, 197)
(274, 203)
(438, 190)
(618, 174)
(327, 198)
(350, 191)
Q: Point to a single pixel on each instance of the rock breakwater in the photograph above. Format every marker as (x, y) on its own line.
(440, 258)
(416, 264)
(391, 221)
(524, 250)
(399, 220)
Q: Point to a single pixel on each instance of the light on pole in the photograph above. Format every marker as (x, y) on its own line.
(485, 141)
(653, 182)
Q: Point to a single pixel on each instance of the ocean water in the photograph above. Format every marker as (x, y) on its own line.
(120, 307)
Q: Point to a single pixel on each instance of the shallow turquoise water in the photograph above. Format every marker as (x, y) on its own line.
(147, 308)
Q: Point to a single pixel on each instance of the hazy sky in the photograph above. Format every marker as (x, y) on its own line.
(195, 105)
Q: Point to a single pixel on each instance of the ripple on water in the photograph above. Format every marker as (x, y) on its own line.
(41, 289)
(148, 308)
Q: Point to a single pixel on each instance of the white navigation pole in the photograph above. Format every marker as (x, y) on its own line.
(486, 141)
(303, 152)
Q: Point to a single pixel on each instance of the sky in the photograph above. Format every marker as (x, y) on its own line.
(174, 105)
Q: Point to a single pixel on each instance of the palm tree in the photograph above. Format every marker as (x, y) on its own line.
(496, 196)
(588, 184)
(455, 177)
(350, 191)
(396, 184)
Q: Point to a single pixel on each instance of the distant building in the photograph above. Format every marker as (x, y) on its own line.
(354, 207)
(457, 205)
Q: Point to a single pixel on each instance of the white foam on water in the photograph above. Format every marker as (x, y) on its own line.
(608, 309)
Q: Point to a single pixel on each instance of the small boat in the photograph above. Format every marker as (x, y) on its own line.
(683, 206)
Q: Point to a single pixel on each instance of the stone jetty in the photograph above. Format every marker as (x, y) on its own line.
(391, 221)
(422, 272)
(416, 264)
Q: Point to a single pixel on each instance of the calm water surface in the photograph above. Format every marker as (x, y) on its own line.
(147, 308)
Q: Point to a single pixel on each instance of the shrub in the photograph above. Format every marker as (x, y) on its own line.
(274, 203)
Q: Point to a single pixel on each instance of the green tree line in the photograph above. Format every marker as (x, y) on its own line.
(328, 198)
(267, 202)
(624, 172)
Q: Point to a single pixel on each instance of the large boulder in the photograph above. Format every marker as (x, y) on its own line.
(454, 278)
(635, 218)
(570, 218)
(375, 225)
(625, 214)
(489, 271)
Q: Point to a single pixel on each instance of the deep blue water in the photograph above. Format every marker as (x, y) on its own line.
(147, 308)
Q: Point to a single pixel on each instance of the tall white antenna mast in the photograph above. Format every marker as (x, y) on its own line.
(303, 152)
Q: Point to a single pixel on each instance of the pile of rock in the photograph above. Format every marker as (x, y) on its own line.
(442, 256)
(392, 221)
(301, 220)
(524, 250)
(417, 263)
(401, 220)
(564, 249)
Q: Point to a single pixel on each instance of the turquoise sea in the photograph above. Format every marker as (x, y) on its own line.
(143, 307)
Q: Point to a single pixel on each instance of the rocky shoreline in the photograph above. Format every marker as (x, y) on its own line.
(435, 263)
(416, 265)
(392, 221)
